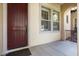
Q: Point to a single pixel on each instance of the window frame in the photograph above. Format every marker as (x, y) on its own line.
(51, 19)
(54, 11)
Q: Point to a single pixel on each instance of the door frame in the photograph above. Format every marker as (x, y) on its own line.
(4, 44)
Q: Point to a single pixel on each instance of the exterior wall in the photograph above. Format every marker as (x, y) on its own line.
(67, 26)
(34, 35)
(37, 37)
(68, 34)
(64, 7)
(1, 19)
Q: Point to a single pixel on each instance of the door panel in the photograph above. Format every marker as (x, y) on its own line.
(17, 25)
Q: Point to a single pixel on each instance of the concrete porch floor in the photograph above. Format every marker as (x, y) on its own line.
(57, 48)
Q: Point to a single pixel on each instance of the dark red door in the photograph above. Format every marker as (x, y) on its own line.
(17, 25)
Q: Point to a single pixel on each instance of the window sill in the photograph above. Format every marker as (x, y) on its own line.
(49, 31)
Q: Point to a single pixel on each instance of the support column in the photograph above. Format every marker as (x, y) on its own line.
(78, 29)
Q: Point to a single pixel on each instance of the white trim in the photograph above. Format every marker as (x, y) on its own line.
(55, 11)
(77, 29)
(4, 28)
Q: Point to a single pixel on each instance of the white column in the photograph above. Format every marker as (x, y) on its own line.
(4, 28)
(78, 28)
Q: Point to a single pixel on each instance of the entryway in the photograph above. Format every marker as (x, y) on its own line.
(74, 25)
(70, 24)
(17, 25)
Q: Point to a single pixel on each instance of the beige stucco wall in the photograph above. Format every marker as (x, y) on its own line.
(68, 35)
(37, 37)
(1, 18)
(64, 7)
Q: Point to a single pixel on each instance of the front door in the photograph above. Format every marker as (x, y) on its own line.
(17, 25)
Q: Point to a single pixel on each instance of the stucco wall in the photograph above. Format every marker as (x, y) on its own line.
(37, 37)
